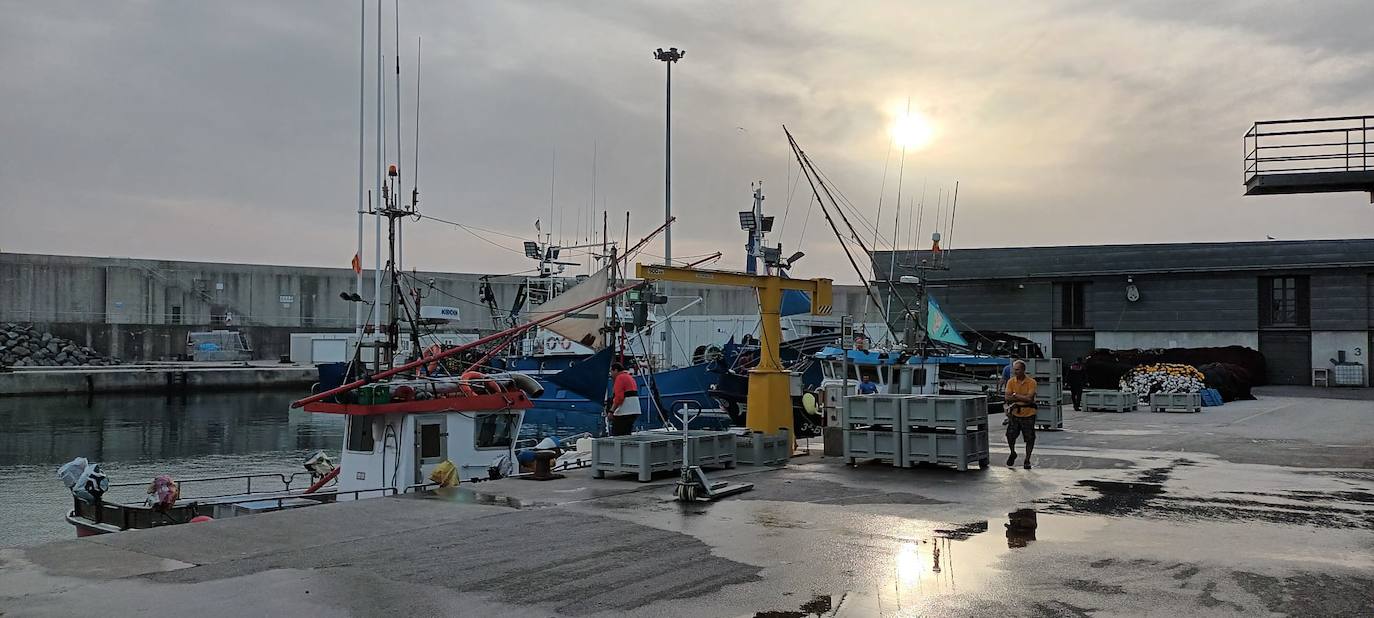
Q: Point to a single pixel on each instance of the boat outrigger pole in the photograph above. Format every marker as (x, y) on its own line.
(462, 348)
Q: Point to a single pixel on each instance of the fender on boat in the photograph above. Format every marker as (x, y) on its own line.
(531, 386)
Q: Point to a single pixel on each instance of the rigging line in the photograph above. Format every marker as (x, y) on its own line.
(808, 165)
(802, 162)
(878, 218)
(469, 226)
(810, 205)
(790, 192)
(846, 203)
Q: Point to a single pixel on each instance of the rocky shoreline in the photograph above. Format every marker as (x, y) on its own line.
(24, 346)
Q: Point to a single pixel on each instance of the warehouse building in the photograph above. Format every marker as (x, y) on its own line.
(1302, 304)
(137, 309)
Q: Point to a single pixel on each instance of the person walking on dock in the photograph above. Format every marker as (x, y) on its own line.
(1076, 376)
(624, 410)
(1020, 405)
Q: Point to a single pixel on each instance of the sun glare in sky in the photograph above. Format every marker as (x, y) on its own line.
(912, 130)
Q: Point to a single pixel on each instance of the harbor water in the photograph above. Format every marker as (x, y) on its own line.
(137, 437)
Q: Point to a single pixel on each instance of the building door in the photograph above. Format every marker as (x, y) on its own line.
(1069, 345)
(1287, 356)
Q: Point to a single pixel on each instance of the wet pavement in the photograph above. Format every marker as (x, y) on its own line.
(1132, 514)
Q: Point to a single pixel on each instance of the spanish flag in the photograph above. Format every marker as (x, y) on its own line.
(357, 264)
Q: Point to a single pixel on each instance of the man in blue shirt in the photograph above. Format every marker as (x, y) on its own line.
(868, 386)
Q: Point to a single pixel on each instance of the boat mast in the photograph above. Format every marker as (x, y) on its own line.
(362, 112)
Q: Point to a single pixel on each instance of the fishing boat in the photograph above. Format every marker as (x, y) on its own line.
(393, 445)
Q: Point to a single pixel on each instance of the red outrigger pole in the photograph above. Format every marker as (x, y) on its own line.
(450, 352)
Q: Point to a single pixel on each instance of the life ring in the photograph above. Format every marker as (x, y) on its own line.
(474, 376)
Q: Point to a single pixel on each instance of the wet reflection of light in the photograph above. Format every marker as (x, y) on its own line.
(909, 564)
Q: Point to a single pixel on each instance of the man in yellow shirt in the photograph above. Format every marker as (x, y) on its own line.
(1020, 407)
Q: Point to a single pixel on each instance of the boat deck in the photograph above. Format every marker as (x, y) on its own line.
(1253, 507)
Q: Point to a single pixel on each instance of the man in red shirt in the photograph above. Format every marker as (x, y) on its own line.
(624, 409)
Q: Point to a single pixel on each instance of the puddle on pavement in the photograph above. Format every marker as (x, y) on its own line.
(1148, 496)
(918, 569)
(463, 495)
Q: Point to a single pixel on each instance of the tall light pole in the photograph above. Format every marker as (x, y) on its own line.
(668, 58)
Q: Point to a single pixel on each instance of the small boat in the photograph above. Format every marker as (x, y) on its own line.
(465, 429)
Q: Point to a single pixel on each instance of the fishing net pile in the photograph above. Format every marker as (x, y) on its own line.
(1162, 378)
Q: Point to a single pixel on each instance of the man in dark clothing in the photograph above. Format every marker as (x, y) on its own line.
(1077, 377)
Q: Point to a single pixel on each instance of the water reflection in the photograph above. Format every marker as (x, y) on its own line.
(48, 430)
(136, 437)
(1021, 525)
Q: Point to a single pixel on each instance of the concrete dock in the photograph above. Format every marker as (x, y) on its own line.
(1254, 508)
(155, 378)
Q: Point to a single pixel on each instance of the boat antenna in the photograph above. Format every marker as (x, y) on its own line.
(415, 160)
(377, 196)
(400, 254)
(949, 238)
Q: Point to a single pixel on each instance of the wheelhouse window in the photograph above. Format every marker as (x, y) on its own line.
(495, 431)
(359, 434)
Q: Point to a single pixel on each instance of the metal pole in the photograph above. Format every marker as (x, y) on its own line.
(377, 197)
(362, 112)
(668, 209)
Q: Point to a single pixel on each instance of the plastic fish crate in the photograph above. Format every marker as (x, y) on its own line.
(958, 412)
(872, 410)
(960, 450)
(1176, 402)
(763, 449)
(1044, 369)
(1110, 401)
(1050, 417)
(647, 453)
(872, 444)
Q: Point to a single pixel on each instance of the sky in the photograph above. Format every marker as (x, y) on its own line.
(229, 131)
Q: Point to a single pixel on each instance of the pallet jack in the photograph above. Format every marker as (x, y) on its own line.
(693, 486)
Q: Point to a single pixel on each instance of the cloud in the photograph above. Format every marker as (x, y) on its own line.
(228, 131)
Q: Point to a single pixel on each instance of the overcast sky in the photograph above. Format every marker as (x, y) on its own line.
(228, 131)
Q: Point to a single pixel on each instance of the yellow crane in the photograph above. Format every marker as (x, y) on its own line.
(770, 400)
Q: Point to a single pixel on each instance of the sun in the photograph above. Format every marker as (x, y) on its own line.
(912, 130)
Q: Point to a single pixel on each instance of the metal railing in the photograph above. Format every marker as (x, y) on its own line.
(280, 482)
(1309, 145)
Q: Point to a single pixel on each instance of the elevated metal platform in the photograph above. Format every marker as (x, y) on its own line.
(1310, 155)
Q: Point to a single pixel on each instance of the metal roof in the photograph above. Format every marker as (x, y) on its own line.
(1091, 260)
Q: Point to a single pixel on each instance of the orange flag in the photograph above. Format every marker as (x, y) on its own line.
(357, 263)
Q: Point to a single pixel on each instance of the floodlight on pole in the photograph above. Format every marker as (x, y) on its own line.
(668, 58)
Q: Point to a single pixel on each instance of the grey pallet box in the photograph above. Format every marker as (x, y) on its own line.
(1049, 398)
(763, 449)
(1050, 417)
(960, 450)
(872, 410)
(1176, 402)
(1110, 401)
(957, 412)
(1044, 368)
(872, 444)
(647, 453)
